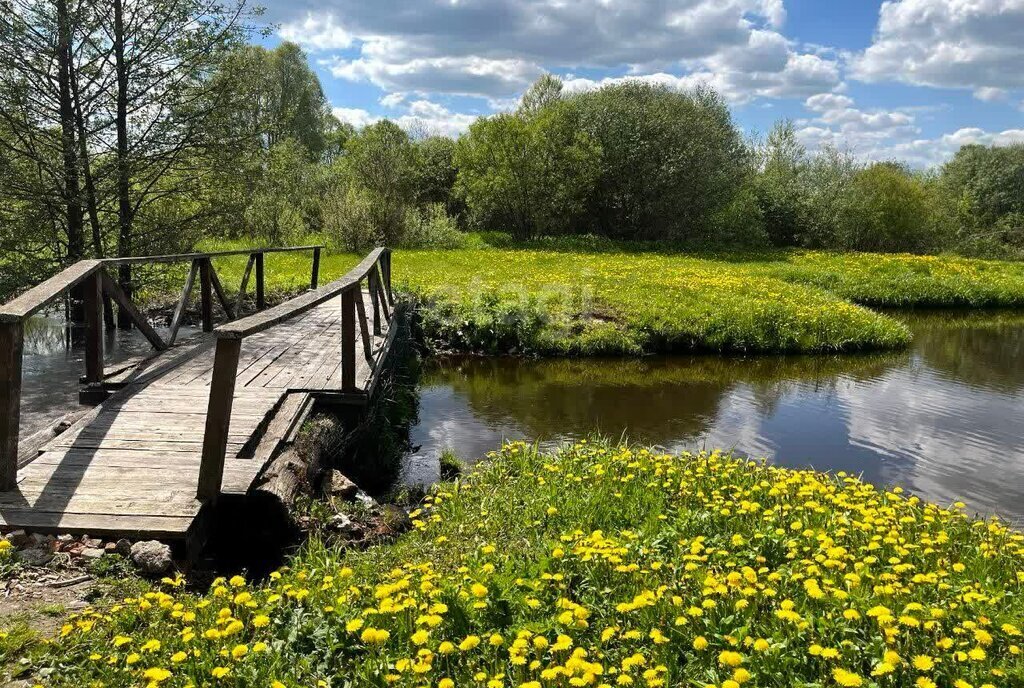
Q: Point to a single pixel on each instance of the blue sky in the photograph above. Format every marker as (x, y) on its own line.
(908, 79)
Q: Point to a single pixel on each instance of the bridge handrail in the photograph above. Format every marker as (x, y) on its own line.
(258, 322)
(92, 278)
(38, 297)
(375, 269)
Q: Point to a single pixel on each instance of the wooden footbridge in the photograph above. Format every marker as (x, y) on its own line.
(196, 419)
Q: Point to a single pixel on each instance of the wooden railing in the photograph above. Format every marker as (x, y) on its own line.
(90, 280)
(375, 270)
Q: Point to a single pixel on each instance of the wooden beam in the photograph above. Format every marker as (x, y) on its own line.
(206, 294)
(348, 340)
(243, 285)
(261, 296)
(12, 337)
(364, 328)
(92, 298)
(183, 257)
(218, 418)
(112, 289)
(179, 310)
(314, 279)
(36, 298)
(218, 289)
(372, 282)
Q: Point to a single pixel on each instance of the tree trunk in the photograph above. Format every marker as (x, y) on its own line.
(72, 193)
(90, 190)
(125, 212)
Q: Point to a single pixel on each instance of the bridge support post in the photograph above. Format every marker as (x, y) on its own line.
(348, 338)
(261, 298)
(206, 293)
(92, 293)
(218, 418)
(11, 341)
(314, 278)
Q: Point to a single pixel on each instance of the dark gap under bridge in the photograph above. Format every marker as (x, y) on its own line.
(196, 420)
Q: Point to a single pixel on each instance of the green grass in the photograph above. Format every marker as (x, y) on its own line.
(582, 297)
(596, 563)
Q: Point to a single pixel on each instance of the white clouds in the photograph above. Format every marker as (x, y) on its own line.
(974, 44)
(421, 117)
(493, 49)
(316, 33)
(357, 117)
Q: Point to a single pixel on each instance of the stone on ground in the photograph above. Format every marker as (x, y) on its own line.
(151, 556)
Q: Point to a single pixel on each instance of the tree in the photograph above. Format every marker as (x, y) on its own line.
(542, 93)
(986, 186)
(529, 175)
(778, 185)
(888, 209)
(670, 160)
(435, 178)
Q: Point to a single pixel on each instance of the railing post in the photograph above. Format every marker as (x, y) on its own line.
(314, 279)
(386, 266)
(261, 299)
(11, 340)
(92, 302)
(206, 293)
(218, 418)
(348, 338)
(374, 289)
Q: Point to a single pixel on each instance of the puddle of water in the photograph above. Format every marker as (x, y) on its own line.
(52, 366)
(942, 419)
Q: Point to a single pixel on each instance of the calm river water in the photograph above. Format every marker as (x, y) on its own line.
(945, 419)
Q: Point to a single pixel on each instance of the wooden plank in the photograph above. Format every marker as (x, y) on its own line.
(134, 527)
(113, 289)
(259, 322)
(206, 294)
(37, 298)
(261, 295)
(92, 297)
(179, 310)
(218, 289)
(348, 340)
(184, 257)
(241, 288)
(218, 418)
(314, 279)
(364, 328)
(11, 343)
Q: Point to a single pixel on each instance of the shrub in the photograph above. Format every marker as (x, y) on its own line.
(669, 160)
(431, 227)
(888, 209)
(530, 175)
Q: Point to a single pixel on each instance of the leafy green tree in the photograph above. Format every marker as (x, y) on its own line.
(888, 209)
(669, 160)
(435, 179)
(529, 175)
(779, 185)
(986, 188)
(543, 92)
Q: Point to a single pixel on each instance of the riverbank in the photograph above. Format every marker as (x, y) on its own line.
(589, 298)
(626, 567)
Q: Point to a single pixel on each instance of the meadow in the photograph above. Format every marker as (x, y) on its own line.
(587, 297)
(599, 565)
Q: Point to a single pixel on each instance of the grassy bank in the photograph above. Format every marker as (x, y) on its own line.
(602, 565)
(576, 297)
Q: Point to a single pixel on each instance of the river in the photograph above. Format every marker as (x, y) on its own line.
(944, 419)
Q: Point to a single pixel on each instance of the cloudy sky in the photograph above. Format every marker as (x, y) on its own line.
(912, 79)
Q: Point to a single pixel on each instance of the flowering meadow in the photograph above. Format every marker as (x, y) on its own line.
(583, 297)
(599, 565)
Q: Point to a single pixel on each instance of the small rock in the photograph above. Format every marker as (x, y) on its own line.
(34, 556)
(346, 526)
(337, 485)
(65, 538)
(111, 548)
(92, 542)
(17, 538)
(123, 547)
(92, 553)
(151, 556)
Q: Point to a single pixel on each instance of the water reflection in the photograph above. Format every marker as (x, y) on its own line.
(53, 364)
(941, 419)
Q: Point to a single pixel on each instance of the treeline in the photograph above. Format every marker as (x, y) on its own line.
(141, 126)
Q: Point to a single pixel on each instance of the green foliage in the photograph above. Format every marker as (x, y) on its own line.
(530, 175)
(888, 209)
(669, 160)
(985, 189)
(436, 173)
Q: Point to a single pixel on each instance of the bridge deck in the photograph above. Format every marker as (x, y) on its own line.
(131, 465)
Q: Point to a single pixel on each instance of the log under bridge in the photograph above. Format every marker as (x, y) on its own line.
(195, 420)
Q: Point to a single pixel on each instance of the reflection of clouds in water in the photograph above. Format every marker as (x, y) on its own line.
(944, 440)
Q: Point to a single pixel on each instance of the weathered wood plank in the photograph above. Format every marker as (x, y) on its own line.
(218, 418)
(92, 297)
(11, 344)
(39, 296)
(113, 290)
(182, 307)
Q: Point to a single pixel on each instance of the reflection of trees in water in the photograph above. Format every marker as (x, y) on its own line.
(46, 335)
(983, 350)
(657, 399)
